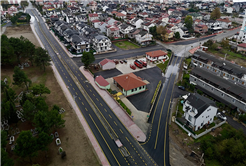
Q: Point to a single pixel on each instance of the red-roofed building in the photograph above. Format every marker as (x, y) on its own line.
(225, 22)
(93, 5)
(12, 10)
(201, 29)
(113, 31)
(107, 64)
(120, 15)
(93, 16)
(130, 84)
(241, 47)
(170, 11)
(102, 83)
(156, 55)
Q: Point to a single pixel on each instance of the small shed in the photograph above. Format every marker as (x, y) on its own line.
(102, 83)
(107, 64)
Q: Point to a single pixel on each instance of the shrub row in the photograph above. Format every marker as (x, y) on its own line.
(155, 94)
(125, 107)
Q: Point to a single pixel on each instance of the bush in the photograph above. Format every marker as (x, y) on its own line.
(125, 107)
(199, 92)
(155, 94)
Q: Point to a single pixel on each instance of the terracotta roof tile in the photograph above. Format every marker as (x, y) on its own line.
(101, 81)
(129, 81)
(156, 53)
(103, 62)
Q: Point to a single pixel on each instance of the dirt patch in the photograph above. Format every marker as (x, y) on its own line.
(23, 30)
(73, 137)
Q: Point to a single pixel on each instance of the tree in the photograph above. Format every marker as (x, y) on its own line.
(26, 145)
(42, 58)
(40, 89)
(20, 77)
(8, 111)
(208, 43)
(3, 86)
(5, 159)
(56, 119)
(18, 46)
(177, 35)
(225, 44)
(87, 58)
(40, 104)
(161, 30)
(4, 137)
(30, 50)
(42, 121)
(215, 14)
(7, 51)
(188, 22)
(152, 31)
(43, 141)
(28, 110)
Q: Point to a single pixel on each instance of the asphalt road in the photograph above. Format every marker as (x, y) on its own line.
(157, 144)
(187, 42)
(104, 124)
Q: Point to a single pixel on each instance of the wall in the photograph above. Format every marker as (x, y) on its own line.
(138, 90)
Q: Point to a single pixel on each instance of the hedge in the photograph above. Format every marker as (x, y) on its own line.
(155, 94)
(125, 107)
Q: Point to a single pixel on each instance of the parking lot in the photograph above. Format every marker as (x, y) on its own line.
(142, 100)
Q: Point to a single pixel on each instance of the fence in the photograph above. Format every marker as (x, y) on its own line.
(201, 134)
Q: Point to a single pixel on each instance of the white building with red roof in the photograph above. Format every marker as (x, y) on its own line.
(93, 16)
(93, 5)
(224, 22)
(241, 47)
(113, 31)
(107, 64)
(102, 83)
(12, 10)
(130, 84)
(156, 55)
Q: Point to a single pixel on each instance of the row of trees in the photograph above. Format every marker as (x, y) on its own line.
(35, 110)
(13, 49)
(160, 32)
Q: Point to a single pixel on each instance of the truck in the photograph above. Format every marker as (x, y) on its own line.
(143, 63)
(138, 64)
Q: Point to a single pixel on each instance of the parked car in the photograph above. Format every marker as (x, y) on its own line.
(219, 115)
(121, 62)
(138, 64)
(125, 61)
(143, 63)
(116, 61)
(132, 66)
(181, 87)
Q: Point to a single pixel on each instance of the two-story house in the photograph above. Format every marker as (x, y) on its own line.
(199, 111)
(93, 16)
(146, 25)
(101, 43)
(224, 22)
(136, 22)
(113, 31)
(93, 5)
(125, 29)
(201, 29)
(80, 44)
(143, 38)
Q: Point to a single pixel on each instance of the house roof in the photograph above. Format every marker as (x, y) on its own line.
(93, 15)
(156, 53)
(105, 61)
(101, 81)
(129, 81)
(224, 20)
(242, 45)
(199, 102)
(120, 14)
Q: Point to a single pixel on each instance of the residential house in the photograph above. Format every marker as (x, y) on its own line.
(133, 32)
(199, 111)
(120, 15)
(224, 22)
(81, 18)
(170, 11)
(201, 29)
(68, 33)
(93, 16)
(130, 84)
(241, 47)
(169, 35)
(143, 14)
(113, 31)
(143, 38)
(147, 25)
(242, 32)
(70, 19)
(222, 80)
(136, 22)
(213, 25)
(101, 43)
(176, 13)
(125, 29)
(58, 4)
(102, 26)
(107, 64)
(80, 44)
(156, 55)
(195, 16)
(93, 5)
(12, 10)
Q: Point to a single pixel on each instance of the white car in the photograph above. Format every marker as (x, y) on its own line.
(221, 116)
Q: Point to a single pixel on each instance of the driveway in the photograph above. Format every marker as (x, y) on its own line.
(142, 100)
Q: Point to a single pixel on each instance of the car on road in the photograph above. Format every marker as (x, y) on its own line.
(181, 87)
(144, 63)
(132, 66)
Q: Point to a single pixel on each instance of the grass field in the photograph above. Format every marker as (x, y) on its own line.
(126, 45)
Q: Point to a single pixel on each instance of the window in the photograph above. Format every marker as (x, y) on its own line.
(194, 79)
(210, 119)
(140, 87)
(190, 118)
(233, 100)
(143, 87)
(222, 94)
(212, 89)
(203, 84)
(132, 90)
(136, 89)
(201, 124)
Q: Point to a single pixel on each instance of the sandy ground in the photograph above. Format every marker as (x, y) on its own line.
(24, 31)
(73, 137)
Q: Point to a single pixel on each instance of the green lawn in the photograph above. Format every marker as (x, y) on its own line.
(126, 45)
(163, 66)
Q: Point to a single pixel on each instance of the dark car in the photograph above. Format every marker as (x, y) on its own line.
(116, 61)
(125, 61)
(181, 87)
(121, 62)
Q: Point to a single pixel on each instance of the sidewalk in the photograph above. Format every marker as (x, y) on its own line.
(121, 114)
(97, 149)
